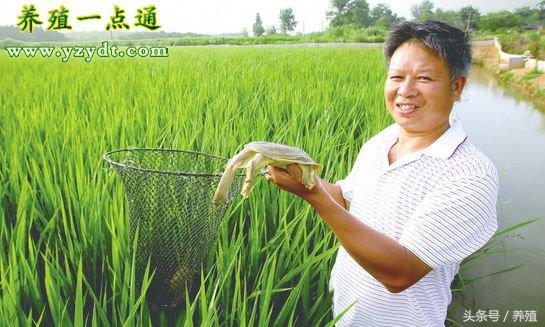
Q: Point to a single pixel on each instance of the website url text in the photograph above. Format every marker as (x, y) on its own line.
(86, 52)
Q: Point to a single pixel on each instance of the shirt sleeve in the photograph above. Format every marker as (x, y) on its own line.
(454, 220)
(347, 184)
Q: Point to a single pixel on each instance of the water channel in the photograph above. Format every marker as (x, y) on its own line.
(511, 132)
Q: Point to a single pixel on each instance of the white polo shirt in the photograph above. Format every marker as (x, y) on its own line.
(439, 203)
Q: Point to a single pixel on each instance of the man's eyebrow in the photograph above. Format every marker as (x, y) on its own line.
(426, 70)
(423, 70)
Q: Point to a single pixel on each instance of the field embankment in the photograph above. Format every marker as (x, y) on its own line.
(529, 82)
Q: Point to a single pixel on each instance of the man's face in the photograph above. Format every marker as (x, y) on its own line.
(418, 91)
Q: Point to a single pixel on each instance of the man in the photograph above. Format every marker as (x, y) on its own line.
(420, 197)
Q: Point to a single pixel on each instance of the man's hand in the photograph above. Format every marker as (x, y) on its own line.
(383, 257)
(291, 180)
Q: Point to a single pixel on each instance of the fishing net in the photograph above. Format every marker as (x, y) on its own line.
(172, 220)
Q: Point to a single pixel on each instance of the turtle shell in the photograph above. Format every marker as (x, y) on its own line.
(282, 152)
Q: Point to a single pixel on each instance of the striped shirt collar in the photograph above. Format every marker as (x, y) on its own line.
(444, 147)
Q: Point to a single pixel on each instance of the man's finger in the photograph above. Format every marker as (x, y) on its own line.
(277, 171)
(294, 170)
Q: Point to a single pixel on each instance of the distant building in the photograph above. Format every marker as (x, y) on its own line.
(534, 27)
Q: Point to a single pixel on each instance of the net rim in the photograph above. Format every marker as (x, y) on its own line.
(107, 157)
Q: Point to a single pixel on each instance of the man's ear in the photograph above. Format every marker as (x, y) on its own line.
(458, 86)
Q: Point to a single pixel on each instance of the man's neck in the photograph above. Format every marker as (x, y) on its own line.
(414, 141)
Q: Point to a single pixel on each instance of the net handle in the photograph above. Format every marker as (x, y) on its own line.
(111, 162)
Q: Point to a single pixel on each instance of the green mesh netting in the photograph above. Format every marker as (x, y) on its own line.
(169, 194)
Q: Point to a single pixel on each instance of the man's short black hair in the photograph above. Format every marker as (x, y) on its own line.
(441, 39)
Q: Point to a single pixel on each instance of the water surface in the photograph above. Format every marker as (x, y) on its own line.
(511, 132)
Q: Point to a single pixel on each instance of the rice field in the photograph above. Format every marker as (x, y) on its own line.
(65, 257)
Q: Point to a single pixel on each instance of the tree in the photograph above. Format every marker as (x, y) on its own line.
(535, 47)
(449, 16)
(271, 30)
(359, 13)
(38, 35)
(541, 7)
(496, 20)
(528, 15)
(287, 20)
(258, 26)
(382, 16)
(349, 12)
(469, 17)
(423, 11)
(337, 16)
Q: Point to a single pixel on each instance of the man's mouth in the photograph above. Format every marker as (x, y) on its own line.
(406, 108)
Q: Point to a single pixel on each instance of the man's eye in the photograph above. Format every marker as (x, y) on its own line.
(425, 78)
(395, 77)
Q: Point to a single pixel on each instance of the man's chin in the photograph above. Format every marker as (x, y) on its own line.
(408, 124)
(403, 121)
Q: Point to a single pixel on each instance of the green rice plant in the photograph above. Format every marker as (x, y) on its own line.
(65, 257)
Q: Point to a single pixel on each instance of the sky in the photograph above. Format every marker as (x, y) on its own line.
(222, 16)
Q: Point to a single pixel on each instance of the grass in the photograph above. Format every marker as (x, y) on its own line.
(506, 76)
(531, 75)
(64, 252)
(517, 41)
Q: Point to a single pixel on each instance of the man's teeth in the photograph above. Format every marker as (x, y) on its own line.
(406, 107)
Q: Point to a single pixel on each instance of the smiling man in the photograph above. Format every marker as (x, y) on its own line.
(420, 197)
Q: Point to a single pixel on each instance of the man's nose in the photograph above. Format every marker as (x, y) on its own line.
(407, 88)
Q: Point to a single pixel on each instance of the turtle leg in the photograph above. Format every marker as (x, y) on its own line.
(252, 170)
(239, 160)
(308, 175)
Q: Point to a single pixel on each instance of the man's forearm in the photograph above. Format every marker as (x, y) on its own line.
(335, 192)
(380, 255)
